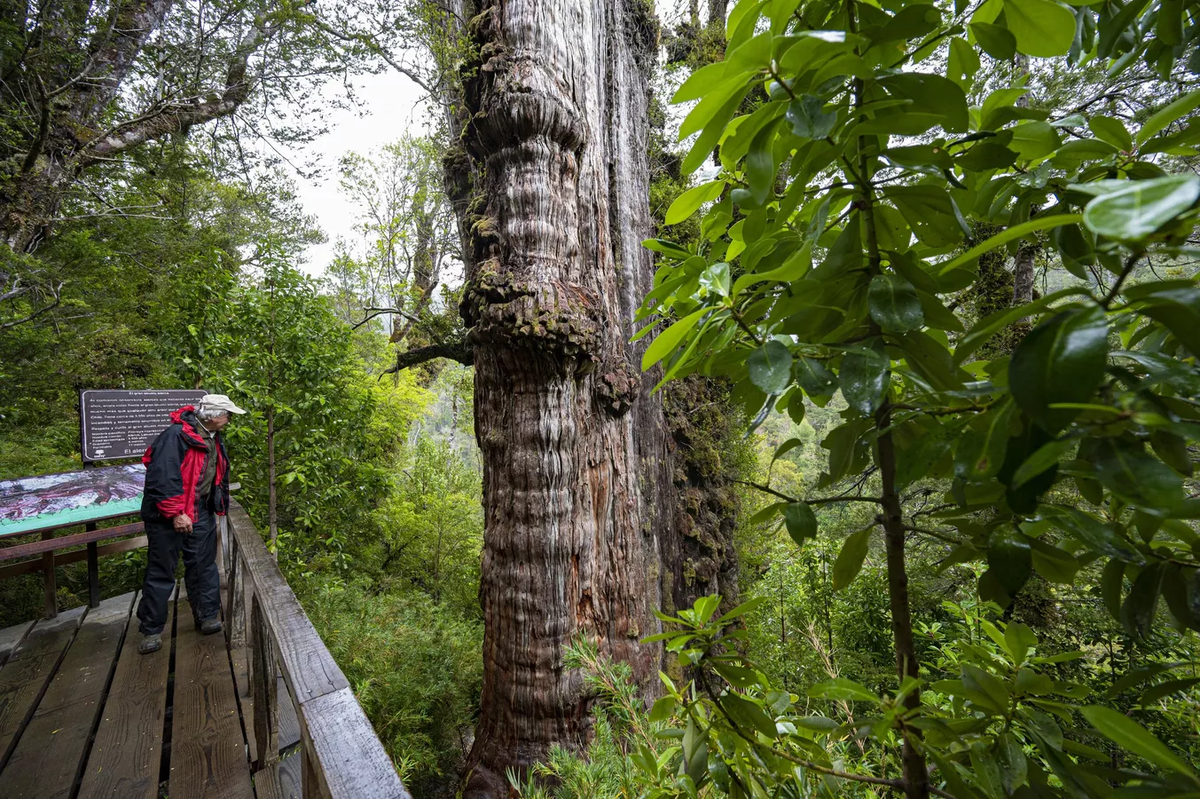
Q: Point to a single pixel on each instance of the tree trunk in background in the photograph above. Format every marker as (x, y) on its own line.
(1023, 274)
(716, 13)
(1023, 264)
(553, 190)
(72, 131)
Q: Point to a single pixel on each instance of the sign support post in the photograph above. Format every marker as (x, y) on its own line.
(93, 561)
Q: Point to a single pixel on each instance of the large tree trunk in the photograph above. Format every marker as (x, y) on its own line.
(577, 479)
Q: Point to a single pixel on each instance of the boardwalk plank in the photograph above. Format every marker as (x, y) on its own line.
(49, 756)
(208, 752)
(127, 753)
(27, 674)
(10, 638)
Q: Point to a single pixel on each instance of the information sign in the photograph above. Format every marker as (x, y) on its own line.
(54, 500)
(121, 424)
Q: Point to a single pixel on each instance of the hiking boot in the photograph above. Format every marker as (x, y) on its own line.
(209, 626)
(150, 643)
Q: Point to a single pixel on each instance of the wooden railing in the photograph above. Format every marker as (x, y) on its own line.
(337, 754)
(46, 558)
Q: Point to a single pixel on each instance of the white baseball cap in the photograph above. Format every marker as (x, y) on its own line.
(219, 402)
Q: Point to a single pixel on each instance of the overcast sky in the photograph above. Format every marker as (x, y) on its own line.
(388, 108)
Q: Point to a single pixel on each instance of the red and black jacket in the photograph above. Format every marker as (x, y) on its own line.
(174, 464)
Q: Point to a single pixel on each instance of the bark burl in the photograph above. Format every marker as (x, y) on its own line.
(552, 191)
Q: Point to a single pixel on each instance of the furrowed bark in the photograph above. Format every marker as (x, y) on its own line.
(552, 188)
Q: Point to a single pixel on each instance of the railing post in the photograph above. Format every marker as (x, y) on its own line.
(233, 637)
(310, 785)
(48, 579)
(266, 708)
(93, 561)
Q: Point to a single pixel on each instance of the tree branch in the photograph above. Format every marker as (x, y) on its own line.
(173, 117)
(456, 351)
(55, 292)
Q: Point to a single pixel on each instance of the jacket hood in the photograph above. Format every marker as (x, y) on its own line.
(186, 416)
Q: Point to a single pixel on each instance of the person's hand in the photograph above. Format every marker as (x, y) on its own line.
(183, 524)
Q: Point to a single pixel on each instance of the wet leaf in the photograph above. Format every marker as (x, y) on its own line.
(1060, 361)
(894, 303)
(770, 367)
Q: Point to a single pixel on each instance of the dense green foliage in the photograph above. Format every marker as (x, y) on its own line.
(943, 253)
(372, 479)
(1000, 478)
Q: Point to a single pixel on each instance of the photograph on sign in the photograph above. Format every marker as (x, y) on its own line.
(121, 424)
(55, 500)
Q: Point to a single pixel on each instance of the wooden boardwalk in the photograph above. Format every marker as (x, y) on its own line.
(83, 714)
(259, 712)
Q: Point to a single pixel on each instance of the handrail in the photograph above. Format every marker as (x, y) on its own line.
(47, 547)
(342, 755)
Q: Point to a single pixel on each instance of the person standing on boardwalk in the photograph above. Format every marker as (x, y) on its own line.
(187, 487)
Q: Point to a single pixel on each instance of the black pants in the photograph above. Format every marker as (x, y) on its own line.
(200, 574)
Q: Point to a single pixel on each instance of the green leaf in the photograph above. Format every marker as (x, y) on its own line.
(786, 447)
(1112, 131)
(985, 690)
(930, 94)
(1140, 607)
(1020, 639)
(1126, 469)
(1163, 690)
(666, 341)
(700, 83)
(1009, 234)
(687, 203)
(840, 689)
(760, 165)
(770, 367)
(1175, 110)
(1141, 209)
(963, 62)
(800, 520)
(1060, 361)
(1034, 139)
(981, 448)
(748, 715)
(663, 708)
(1176, 308)
(807, 118)
(1170, 23)
(703, 146)
(743, 609)
(894, 304)
(996, 40)
(1095, 534)
(1043, 28)
(850, 560)
(929, 211)
(1046, 456)
(814, 378)
(1054, 564)
(1009, 558)
(1128, 734)
(1012, 763)
(864, 377)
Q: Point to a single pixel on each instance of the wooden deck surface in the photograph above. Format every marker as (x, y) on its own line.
(83, 714)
